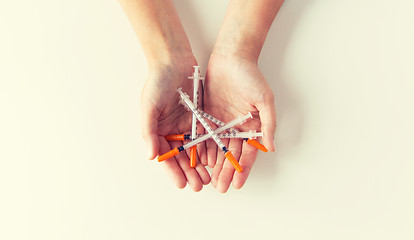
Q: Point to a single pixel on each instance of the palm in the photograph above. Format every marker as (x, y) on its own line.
(173, 118)
(163, 115)
(235, 87)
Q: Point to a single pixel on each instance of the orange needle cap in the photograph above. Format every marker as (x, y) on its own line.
(257, 145)
(233, 161)
(169, 154)
(193, 156)
(179, 137)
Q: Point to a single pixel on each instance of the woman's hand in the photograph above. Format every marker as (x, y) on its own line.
(235, 86)
(163, 115)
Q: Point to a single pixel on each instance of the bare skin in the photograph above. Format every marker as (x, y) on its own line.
(234, 86)
(170, 62)
(162, 115)
(230, 94)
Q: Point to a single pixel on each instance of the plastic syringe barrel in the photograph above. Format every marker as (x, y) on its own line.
(248, 139)
(186, 137)
(214, 120)
(196, 81)
(211, 133)
(232, 123)
(241, 135)
(226, 152)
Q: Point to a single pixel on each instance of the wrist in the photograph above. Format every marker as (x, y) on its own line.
(235, 54)
(168, 52)
(172, 63)
(241, 44)
(245, 27)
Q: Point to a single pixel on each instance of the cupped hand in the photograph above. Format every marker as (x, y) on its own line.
(163, 115)
(235, 86)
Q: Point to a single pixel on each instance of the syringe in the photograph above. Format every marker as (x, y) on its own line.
(196, 80)
(186, 100)
(249, 140)
(230, 124)
(244, 135)
(214, 120)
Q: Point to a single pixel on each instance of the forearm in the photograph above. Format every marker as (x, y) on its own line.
(158, 27)
(245, 27)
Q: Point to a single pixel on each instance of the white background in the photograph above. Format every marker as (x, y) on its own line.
(73, 164)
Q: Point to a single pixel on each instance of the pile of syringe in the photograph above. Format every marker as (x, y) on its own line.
(216, 134)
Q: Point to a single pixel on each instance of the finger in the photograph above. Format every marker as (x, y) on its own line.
(149, 129)
(226, 174)
(211, 147)
(267, 115)
(247, 159)
(216, 171)
(202, 153)
(220, 158)
(203, 174)
(190, 173)
(200, 168)
(170, 165)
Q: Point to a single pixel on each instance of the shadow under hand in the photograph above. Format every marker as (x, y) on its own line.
(288, 107)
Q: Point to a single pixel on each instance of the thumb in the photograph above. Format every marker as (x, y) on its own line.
(149, 130)
(267, 115)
